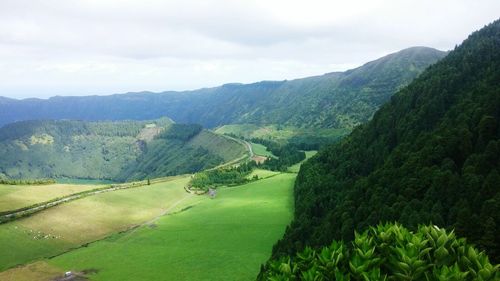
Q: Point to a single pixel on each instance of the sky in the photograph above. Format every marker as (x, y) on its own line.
(88, 47)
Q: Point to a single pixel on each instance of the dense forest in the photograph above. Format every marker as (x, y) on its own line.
(223, 176)
(182, 149)
(119, 151)
(287, 155)
(333, 100)
(430, 155)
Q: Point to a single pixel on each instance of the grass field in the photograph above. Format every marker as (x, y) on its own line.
(71, 224)
(278, 133)
(253, 131)
(261, 173)
(226, 238)
(18, 196)
(295, 168)
(227, 148)
(82, 181)
(261, 150)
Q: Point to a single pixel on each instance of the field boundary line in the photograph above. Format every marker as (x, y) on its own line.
(13, 215)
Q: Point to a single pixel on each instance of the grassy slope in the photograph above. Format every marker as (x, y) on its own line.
(18, 196)
(121, 151)
(277, 132)
(226, 148)
(84, 220)
(82, 181)
(295, 168)
(222, 239)
(283, 133)
(261, 173)
(255, 131)
(261, 150)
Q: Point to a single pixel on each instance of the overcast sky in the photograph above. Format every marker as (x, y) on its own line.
(87, 47)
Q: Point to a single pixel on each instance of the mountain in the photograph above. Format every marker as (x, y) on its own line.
(430, 155)
(334, 100)
(121, 150)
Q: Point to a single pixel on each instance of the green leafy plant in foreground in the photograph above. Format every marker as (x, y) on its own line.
(388, 252)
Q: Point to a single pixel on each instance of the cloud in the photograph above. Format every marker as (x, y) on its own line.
(105, 46)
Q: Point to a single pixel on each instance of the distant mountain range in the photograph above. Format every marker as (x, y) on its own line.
(333, 100)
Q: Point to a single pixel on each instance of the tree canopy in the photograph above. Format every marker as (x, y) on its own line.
(431, 154)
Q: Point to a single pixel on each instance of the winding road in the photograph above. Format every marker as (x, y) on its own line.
(250, 149)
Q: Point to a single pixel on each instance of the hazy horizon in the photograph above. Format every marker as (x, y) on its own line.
(212, 86)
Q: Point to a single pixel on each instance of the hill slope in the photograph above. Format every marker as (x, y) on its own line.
(110, 150)
(432, 154)
(333, 100)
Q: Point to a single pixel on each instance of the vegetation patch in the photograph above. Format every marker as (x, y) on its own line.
(242, 173)
(296, 167)
(44, 139)
(26, 181)
(261, 174)
(261, 150)
(222, 176)
(303, 137)
(286, 155)
(388, 252)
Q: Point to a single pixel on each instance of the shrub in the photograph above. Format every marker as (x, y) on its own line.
(388, 252)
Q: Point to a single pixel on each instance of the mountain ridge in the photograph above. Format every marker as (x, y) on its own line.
(334, 99)
(409, 49)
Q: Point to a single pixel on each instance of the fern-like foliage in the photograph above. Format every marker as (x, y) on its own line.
(388, 252)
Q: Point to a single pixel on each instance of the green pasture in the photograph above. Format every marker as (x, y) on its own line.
(17, 196)
(262, 174)
(281, 133)
(72, 224)
(296, 168)
(83, 181)
(226, 238)
(261, 150)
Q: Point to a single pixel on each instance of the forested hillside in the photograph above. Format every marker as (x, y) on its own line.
(430, 155)
(334, 100)
(179, 150)
(110, 150)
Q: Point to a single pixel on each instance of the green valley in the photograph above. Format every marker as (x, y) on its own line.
(382, 171)
(197, 233)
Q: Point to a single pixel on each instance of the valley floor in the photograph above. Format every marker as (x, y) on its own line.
(186, 237)
(19, 196)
